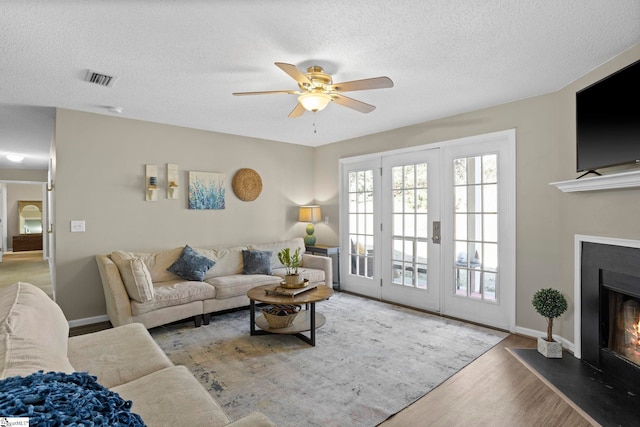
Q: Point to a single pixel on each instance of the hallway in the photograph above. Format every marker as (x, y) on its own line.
(28, 267)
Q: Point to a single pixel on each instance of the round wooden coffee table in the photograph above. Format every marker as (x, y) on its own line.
(306, 320)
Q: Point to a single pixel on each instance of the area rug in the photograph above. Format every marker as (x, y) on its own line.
(371, 360)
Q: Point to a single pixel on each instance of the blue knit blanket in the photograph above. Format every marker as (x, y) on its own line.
(59, 399)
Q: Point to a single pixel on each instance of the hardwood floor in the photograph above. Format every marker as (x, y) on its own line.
(495, 390)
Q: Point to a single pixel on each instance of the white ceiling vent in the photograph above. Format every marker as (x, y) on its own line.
(100, 79)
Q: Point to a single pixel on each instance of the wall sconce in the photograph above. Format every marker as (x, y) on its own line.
(310, 214)
(151, 183)
(172, 181)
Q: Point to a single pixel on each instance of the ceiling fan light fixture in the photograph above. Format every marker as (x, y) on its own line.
(314, 102)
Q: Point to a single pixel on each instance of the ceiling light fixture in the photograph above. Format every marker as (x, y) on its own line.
(314, 101)
(17, 158)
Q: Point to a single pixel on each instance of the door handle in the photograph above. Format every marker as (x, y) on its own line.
(436, 232)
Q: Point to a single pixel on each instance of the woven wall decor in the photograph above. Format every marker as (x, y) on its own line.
(247, 184)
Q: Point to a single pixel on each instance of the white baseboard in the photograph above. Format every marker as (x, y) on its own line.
(88, 321)
(535, 334)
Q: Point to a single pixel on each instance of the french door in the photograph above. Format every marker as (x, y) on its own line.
(410, 211)
(434, 228)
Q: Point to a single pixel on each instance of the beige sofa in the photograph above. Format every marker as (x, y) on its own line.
(34, 336)
(139, 288)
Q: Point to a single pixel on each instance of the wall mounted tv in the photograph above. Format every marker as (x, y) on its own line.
(608, 121)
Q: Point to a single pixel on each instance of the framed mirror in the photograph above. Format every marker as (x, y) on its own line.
(30, 216)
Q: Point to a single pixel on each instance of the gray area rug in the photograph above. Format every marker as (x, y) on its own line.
(370, 361)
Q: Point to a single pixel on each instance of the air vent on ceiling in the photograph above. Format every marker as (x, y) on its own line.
(100, 78)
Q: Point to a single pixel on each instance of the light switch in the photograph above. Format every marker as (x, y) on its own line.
(77, 226)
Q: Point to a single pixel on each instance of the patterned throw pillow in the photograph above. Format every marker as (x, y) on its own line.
(256, 262)
(190, 265)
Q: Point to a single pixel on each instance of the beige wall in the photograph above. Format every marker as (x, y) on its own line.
(26, 175)
(99, 178)
(100, 169)
(547, 219)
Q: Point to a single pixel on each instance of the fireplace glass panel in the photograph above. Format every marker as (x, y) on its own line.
(624, 326)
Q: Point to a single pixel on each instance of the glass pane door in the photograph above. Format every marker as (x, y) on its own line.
(361, 244)
(479, 250)
(360, 227)
(411, 258)
(410, 225)
(476, 226)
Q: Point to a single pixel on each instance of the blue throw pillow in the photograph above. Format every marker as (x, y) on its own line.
(256, 262)
(190, 265)
(59, 399)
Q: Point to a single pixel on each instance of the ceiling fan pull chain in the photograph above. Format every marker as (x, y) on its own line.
(314, 123)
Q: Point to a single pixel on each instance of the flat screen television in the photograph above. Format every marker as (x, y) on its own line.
(608, 121)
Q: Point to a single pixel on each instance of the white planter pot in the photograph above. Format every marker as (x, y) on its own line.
(551, 350)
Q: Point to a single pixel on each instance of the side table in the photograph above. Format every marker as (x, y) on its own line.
(332, 252)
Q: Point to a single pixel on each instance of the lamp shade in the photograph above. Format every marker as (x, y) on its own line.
(314, 101)
(310, 214)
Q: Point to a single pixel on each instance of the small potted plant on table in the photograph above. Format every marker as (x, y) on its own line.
(549, 303)
(291, 261)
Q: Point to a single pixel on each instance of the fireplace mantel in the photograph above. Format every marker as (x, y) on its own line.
(604, 182)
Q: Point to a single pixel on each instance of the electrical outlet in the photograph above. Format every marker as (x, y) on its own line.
(77, 226)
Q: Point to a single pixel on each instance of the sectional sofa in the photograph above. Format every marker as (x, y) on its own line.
(156, 288)
(114, 375)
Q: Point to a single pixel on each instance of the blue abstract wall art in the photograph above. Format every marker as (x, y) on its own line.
(206, 190)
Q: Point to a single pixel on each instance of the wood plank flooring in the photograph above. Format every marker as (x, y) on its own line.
(494, 390)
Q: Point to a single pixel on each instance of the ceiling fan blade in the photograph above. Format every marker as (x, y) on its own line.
(297, 111)
(266, 92)
(364, 84)
(293, 71)
(354, 104)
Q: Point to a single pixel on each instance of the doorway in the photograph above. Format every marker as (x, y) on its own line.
(433, 227)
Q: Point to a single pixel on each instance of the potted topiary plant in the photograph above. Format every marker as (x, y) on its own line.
(291, 261)
(549, 303)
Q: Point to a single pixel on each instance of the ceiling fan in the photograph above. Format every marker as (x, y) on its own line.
(317, 90)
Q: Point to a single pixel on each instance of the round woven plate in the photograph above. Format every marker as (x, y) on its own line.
(247, 184)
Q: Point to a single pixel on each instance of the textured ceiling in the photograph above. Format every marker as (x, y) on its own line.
(178, 62)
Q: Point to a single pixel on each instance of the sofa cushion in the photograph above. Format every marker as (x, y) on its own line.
(227, 261)
(172, 397)
(256, 262)
(276, 247)
(135, 276)
(33, 332)
(56, 398)
(174, 292)
(156, 262)
(190, 265)
(108, 354)
(238, 284)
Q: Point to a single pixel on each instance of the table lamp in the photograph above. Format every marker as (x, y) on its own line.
(310, 214)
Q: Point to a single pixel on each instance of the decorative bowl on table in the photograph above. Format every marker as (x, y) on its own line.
(302, 284)
(281, 315)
